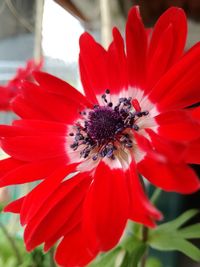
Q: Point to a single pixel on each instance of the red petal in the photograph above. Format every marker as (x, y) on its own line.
(87, 85)
(11, 131)
(45, 127)
(117, 65)
(177, 125)
(34, 148)
(158, 60)
(37, 197)
(178, 87)
(73, 221)
(145, 145)
(172, 150)
(136, 43)
(8, 164)
(106, 205)
(94, 63)
(192, 154)
(141, 210)
(57, 86)
(185, 92)
(195, 113)
(171, 177)
(33, 127)
(29, 172)
(58, 107)
(63, 205)
(27, 110)
(15, 206)
(174, 17)
(72, 251)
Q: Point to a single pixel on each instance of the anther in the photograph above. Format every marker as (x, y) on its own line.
(79, 137)
(139, 114)
(95, 157)
(129, 145)
(121, 100)
(74, 146)
(109, 153)
(104, 98)
(145, 113)
(135, 127)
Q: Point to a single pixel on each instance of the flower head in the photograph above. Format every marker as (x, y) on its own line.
(11, 89)
(89, 149)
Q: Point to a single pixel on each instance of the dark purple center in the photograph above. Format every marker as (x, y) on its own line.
(103, 124)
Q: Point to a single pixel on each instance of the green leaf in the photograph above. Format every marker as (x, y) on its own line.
(127, 254)
(170, 243)
(137, 254)
(178, 222)
(11, 262)
(188, 249)
(125, 262)
(106, 259)
(169, 237)
(192, 231)
(132, 259)
(153, 262)
(131, 243)
(135, 249)
(1, 207)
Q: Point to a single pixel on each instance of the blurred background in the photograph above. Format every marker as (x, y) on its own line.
(51, 29)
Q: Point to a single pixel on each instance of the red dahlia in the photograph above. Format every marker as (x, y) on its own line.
(11, 89)
(88, 150)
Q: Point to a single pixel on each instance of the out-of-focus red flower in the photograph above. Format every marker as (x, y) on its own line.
(12, 88)
(132, 119)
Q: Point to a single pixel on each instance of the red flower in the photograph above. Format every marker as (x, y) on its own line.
(131, 120)
(11, 89)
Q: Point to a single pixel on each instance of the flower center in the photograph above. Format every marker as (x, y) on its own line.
(103, 124)
(105, 129)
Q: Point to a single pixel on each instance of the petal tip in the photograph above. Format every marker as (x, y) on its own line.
(134, 12)
(84, 38)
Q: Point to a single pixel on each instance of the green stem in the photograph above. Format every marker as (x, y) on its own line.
(12, 243)
(145, 232)
(51, 254)
(156, 195)
(144, 259)
(142, 183)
